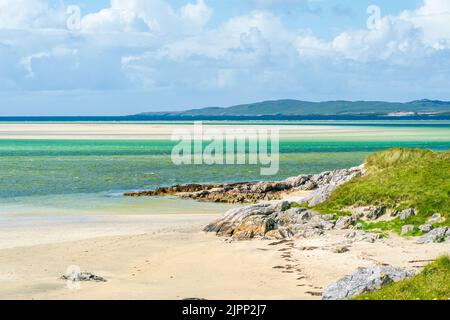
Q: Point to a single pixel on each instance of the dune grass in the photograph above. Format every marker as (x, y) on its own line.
(399, 179)
(432, 283)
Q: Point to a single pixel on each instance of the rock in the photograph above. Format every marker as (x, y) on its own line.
(437, 235)
(344, 222)
(375, 212)
(282, 206)
(319, 222)
(352, 235)
(329, 217)
(270, 221)
(320, 185)
(273, 235)
(243, 235)
(363, 280)
(407, 229)
(342, 249)
(426, 228)
(307, 215)
(370, 237)
(368, 212)
(83, 276)
(278, 220)
(310, 185)
(298, 181)
(234, 217)
(405, 214)
(358, 226)
(435, 218)
(360, 235)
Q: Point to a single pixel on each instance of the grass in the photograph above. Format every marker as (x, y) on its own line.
(393, 225)
(398, 179)
(431, 284)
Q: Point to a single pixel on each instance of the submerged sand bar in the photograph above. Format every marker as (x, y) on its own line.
(163, 131)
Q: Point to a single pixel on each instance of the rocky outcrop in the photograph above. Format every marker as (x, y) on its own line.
(363, 280)
(271, 221)
(436, 235)
(320, 187)
(282, 220)
(327, 182)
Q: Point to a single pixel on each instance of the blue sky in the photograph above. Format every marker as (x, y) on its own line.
(128, 56)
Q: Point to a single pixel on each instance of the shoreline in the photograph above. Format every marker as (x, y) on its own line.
(182, 262)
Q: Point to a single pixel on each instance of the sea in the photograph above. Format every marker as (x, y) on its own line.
(60, 174)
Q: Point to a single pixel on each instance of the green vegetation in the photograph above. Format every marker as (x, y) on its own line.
(398, 179)
(432, 283)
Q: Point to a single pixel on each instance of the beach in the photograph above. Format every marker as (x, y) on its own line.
(174, 259)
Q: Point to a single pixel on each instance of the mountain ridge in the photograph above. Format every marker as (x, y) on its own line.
(293, 108)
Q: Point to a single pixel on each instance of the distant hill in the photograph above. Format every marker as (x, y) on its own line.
(297, 108)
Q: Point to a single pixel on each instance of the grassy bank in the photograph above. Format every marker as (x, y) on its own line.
(399, 179)
(432, 283)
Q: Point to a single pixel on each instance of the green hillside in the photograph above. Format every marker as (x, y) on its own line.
(299, 108)
(399, 179)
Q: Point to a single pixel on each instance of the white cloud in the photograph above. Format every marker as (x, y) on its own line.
(395, 40)
(433, 18)
(198, 13)
(151, 45)
(29, 14)
(148, 15)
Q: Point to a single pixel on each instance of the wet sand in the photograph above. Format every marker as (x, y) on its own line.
(160, 131)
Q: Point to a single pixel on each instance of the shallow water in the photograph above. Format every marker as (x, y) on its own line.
(89, 174)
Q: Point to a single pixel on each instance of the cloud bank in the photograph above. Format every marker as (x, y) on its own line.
(153, 46)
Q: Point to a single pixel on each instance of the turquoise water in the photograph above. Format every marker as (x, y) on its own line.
(63, 167)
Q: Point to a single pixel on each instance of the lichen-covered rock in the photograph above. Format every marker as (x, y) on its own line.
(407, 229)
(426, 228)
(344, 222)
(360, 235)
(375, 212)
(363, 280)
(437, 235)
(435, 218)
(405, 214)
(271, 221)
(235, 217)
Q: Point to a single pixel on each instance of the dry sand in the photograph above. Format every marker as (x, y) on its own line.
(179, 261)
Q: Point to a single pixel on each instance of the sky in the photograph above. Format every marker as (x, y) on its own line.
(119, 57)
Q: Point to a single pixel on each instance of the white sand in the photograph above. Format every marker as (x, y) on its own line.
(155, 131)
(173, 259)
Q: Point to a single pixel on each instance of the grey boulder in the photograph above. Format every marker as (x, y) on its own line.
(363, 280)
(441, 234)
